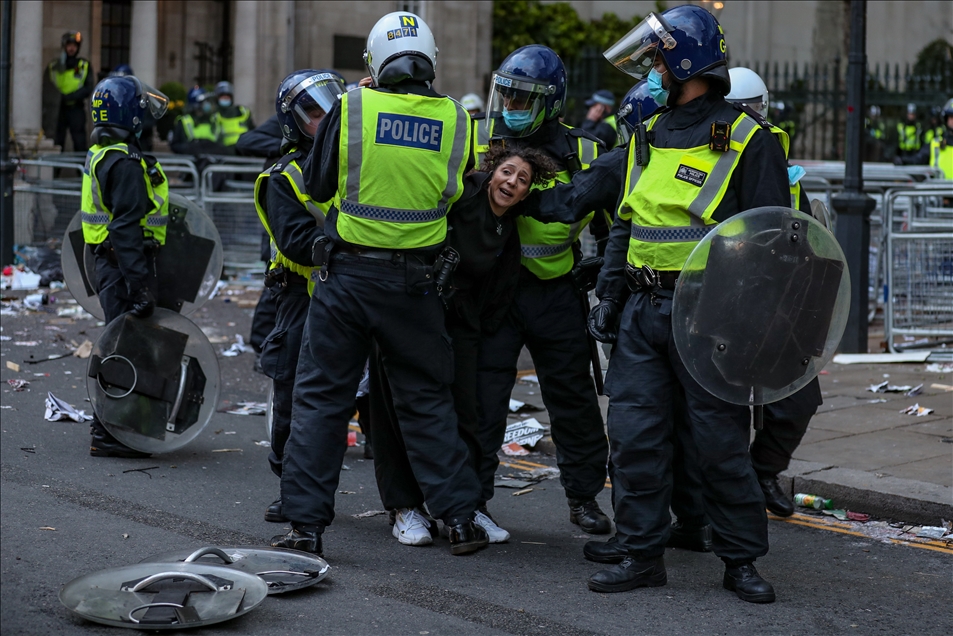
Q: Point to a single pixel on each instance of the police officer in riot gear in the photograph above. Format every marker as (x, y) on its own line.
(909, 136)
(393, 158)
(294, 221)
(600, 119)
(548, 315)
(124, 212)
(71, 76)
(230, 120)
(706, 161)
(194, 132)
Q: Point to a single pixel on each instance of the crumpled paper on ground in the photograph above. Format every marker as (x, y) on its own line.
(58, 410)
(525, 432)
(917, 410)
(886, 387)
(238, 347)
(249, 408)
(18, 385)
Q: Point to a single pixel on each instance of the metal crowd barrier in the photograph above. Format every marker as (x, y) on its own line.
(919, 266)
(230, 201)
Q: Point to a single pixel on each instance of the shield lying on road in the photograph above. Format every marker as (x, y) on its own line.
(161, 596)
(761, 305)
(153, 382)
(282, 570)
(188, 266)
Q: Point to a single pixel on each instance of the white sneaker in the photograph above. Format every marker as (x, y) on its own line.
(412, 528)
(495, 532)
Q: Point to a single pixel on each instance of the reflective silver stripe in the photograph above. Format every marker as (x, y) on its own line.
(542, 251)
(669, 234)
(157, 221)
(483, 137)
(354, 143)
(634, 176)
(393, 215)
(274, 251)
(189, 129)
(100, 218)
(587, 151)
(722, 169)
(461, 134)
(159, 201)
(294, 173)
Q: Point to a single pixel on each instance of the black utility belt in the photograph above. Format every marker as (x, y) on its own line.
(647, 279)
(352, 254)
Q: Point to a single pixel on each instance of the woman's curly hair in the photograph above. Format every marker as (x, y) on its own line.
(544, 168)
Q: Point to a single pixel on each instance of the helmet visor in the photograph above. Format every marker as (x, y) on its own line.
(634, 54)
(311, 99)
(516, 107)
(151, 98)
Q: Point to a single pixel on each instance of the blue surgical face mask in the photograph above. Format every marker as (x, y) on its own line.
(206, 107)
(225, 103)
(517, 120)
(656, 91)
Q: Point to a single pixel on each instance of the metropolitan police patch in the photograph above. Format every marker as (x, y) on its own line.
(409, 131)
(691, 175)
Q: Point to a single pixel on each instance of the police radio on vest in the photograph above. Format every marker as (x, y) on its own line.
(409, 131)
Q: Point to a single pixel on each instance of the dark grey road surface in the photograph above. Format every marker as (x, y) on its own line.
(827, 583)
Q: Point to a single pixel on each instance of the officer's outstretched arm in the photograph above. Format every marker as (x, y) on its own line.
(596, 188)
(126, 196)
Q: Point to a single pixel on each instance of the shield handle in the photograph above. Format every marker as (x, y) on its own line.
(198, 554)
(133, 619)
(183, 376)
(135, 376)
(161, 576)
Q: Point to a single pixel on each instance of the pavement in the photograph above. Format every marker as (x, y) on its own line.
(859, 450)
(64, 514)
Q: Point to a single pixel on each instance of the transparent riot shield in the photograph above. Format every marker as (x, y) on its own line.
(761, 305)
(153, 382)
(188, 266)
(283, 570)
(164, 596)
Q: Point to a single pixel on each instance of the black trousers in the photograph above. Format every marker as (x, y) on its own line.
(355, 305)
(265, 318)
(279, 358)
(395, 477)
(644, 378)
(72, 118)
(547, 317)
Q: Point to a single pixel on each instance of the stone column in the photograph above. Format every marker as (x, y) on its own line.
(28, 69)
(144, 40)
(245, 58)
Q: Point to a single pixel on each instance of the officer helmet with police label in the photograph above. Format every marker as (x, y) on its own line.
(303, 98)
(121, 102)
(528, 89)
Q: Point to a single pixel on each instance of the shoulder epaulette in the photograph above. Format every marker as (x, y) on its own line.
(282, 163)
(755, 115)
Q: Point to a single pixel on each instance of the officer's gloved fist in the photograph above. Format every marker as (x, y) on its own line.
(603, 321)
(586, 272)
(143, 303)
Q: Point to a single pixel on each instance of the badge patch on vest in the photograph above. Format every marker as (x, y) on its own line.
(691, 175)
(409, 131)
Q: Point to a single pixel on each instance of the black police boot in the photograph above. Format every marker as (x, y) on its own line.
(273, 512)
(610, 551)
(465, 536)
(103, 444)
(629, 575)
(775, 500)
(304, 538)
(745, 581)
(586, 514)
(694, 538)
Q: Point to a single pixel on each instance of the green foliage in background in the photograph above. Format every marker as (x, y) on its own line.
(176, 94)
(936, 57)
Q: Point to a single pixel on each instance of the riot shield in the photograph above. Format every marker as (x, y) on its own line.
(188, 266)
(153, 382)
(761, 305)
(282, 570)
(163, 596)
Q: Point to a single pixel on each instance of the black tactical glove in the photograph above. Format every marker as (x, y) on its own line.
(143, 303)
(603, 321)
(585, 273)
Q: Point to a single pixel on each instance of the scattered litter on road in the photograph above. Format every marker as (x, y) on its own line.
(83, 350)
(18, 385)
(547, 472)
(227, 450)
(533, 542)
(249, 408)
(886, 387)
(525, 432)
(264, 443)
(125, 535)
(58, 410)
(917, 410)
(942, 387)
(141, 470)
(529, 379)
(47, 358)
(369, 513)
(26, 343)
(5, 338)
(29, 449)
(858, 516)
(238, 347)
(24, 280)
(813, 501)
(346, 492)
(522, 492)
(74, 311)
(231, 433)
(522, 407)
(218, 287)
(881, 358)
(51, 528)
(518, 484)
(6, 407)
(940, 367)
(514, 450)
(13, 366)
(351, 439)
(932, 532)
(917, 390)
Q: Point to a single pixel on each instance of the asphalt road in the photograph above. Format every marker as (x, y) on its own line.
(827, 583)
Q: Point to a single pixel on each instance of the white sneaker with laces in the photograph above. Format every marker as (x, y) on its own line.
(412, 528)
(495, 532)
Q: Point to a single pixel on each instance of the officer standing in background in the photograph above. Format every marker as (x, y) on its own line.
(392, 158)
(939, 153)
(294, 221)
(909, 137)
(194, 132)
(125, 212)
(600, 120)
(876, 135)
(473, 103)
(706, 162)
(71, 77)
(230, 120)
(548, 315)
